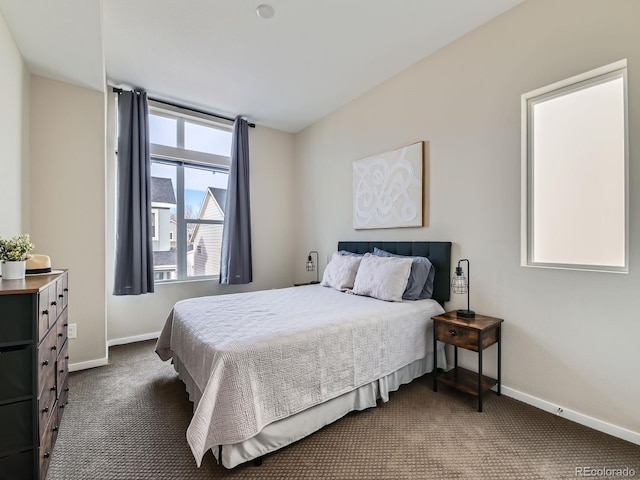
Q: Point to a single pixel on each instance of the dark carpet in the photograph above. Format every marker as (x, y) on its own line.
(127, 421)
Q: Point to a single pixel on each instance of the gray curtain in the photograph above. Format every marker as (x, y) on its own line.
(235, 264)
(134, 248)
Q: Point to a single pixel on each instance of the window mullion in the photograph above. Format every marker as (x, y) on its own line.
(180, 132)
(181, 244)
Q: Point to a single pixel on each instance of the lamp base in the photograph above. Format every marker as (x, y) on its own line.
(466, 313)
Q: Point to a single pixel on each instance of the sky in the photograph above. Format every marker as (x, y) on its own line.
(196, 182)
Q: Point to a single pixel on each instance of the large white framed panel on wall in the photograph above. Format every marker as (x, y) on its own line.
(388, 190)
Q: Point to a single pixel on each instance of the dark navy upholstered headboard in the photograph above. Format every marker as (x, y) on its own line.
(438, 253)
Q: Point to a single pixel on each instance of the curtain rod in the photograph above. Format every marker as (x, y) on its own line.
(252, 125)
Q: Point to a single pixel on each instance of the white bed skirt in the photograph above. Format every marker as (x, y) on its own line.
(286, 431)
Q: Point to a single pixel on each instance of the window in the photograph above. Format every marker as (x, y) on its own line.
(189, 175)
(575, 173)
(154, 223)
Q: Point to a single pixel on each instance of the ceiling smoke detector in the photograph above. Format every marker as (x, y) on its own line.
(265, 11)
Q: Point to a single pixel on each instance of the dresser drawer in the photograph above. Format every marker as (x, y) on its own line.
(64, 397)
(17, 419)
(47, 353)
(47, 441)
(16, 372)
(65, 289)
(62, 327)
(62, 368)
(54, 310)
(16, 318)
(464, 337)
(46, 403)
(18, 466)
(43, 312)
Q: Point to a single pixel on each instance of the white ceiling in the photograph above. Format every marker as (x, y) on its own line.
(311, 58)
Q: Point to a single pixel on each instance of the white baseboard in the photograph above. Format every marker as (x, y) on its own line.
(100, 362)
(587, 421)
(135, 338)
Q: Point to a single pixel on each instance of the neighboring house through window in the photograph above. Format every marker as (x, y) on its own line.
(189, 168)
(163, 200)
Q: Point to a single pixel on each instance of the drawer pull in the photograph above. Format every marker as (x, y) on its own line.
(66, 357)
(65, 325)
(46, 455)
(45, 312)
(45, 409)
(53, 304)
(55, 429)
(66, 389)
(62, 371)
(453, 332)
(61, 296)
(53, 389)
(54, 348)
(61, 334)
(62, 406)
(45, 363)
(66, 290)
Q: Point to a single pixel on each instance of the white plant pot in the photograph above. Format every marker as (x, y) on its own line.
(13, 270)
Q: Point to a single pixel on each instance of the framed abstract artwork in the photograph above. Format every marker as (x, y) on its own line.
(388, 189)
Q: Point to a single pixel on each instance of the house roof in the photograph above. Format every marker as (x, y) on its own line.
(220, 195)
(164, 258)
(162, 190)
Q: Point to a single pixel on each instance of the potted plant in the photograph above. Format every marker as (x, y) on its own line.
(14, 254)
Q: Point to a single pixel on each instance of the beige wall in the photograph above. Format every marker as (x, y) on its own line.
(271, 172)
(14, 137)
(67, 184)
(559, 345)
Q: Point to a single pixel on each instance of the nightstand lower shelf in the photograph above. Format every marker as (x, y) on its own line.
(466, 381)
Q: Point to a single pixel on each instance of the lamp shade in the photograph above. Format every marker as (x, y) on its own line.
(459, 282)
(460, 285)
(311, 265)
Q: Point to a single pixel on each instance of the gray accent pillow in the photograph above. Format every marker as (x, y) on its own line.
(350, 254)
(420, 284)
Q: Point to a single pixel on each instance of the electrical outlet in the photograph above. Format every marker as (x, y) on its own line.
(72, 331)
(559, 411)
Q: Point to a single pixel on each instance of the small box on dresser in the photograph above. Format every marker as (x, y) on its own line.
(33, 372)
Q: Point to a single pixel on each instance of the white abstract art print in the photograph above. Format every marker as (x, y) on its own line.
(387, 189)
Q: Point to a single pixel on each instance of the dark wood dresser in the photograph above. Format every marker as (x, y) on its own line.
(33, 372)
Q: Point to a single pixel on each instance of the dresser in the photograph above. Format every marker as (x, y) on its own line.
(34, 382)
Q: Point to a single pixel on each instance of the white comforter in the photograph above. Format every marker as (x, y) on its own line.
(262, 356)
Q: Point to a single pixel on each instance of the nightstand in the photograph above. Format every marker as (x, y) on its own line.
(476, 334)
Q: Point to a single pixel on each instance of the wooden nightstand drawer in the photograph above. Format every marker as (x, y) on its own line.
(464, 337)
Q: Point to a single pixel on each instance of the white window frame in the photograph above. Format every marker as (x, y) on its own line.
(180, 158)
(570, 85)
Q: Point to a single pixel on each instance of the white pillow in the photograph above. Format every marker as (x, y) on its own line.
(341, 272)
(384, 278)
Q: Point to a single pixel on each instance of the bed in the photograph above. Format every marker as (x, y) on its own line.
(267, 368)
